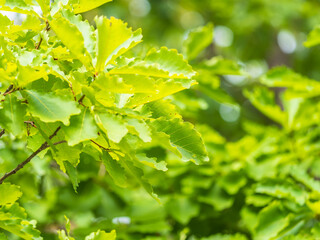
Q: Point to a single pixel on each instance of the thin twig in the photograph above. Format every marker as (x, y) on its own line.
(8, 89)
(74, 96)
(30, 123)
(44, 146)
(41, 39)
(106, 149)
(2, 132)
(81, 99)
(14, 90)
(55, 132)
(39, 44)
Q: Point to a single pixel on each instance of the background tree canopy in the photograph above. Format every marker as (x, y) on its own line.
(205, 128)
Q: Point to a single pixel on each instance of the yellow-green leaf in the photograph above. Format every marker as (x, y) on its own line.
(82, 127)
(102, 235)
(87, 5)
(113, 39)
(112, 125)
(9, 193)
(72, 38)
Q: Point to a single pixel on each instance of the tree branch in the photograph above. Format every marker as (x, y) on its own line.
(2, 132)
(40, 149)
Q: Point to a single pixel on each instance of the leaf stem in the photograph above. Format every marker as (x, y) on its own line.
(81, 99)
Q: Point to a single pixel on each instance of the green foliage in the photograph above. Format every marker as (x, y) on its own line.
(109, 130)
(197, 40)
(80, 92)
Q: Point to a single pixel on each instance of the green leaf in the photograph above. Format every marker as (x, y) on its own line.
(45, 136)
(112, 125)
(86, 30)
(12, 115)
(237, 236)
(282, 190)
(113, 39)
(148, 69)
(29, 74)
(4, 23)
(170, 61)
(73, 175)
(124, 83)
(87, 5)
(197, 40)
(298, 85)
(141, 128)
(152, 162)
(271, 220)
(68, 224)
(264, 100)
(217, 94)
(218, 198)
(313, 37)
(162, 108)
(45, 6)
(31, 23)
(19, 6)
(138, 174)
(220, 66)
(50, 108)
(232, 182)
(115, 170)
(300, 175)
(72, 38)
(184, 137)
(102, 235)
(82, 127)
(68, 154)
(13, 219)
(63, 236)
(164, 88)
(9, 193)
(182, 209)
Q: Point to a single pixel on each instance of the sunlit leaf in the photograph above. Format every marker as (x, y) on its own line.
(50, 108)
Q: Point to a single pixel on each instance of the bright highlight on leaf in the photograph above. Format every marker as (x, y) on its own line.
(313, 38)
(102, 235)
(87, 5)
(9, 193)
(72, 38)
(113, 39)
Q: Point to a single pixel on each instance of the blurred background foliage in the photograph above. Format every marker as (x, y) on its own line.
(262, 178)
(257, 34)
(270, 32)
